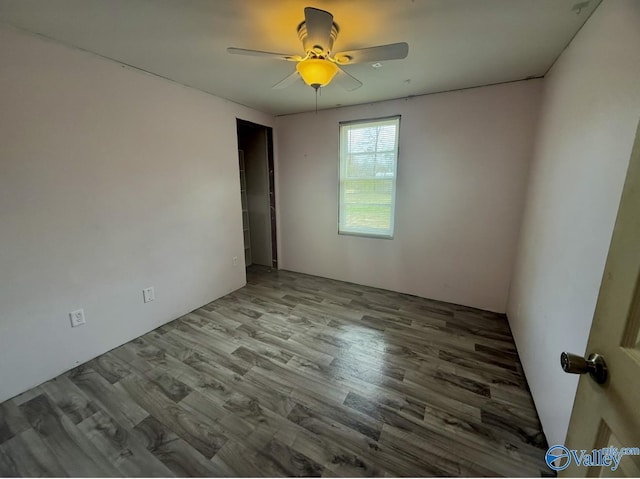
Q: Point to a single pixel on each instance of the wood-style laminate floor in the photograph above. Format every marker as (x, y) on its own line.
(292, 375)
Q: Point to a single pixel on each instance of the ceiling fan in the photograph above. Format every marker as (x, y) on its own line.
(318, 66)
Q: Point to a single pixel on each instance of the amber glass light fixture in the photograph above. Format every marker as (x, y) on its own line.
(317, 72)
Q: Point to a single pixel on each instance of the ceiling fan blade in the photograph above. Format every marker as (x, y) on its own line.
(318, 24)
(393, 51)
(346, 81)
(258, 53)
(287, 81)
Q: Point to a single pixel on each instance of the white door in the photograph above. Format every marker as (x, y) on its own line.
(608, 414)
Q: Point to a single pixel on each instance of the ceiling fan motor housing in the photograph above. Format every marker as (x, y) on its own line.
(319, 51)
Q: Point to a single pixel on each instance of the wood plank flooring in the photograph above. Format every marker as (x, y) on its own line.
(292, 375)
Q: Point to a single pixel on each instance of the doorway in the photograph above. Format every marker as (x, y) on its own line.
(257, 188)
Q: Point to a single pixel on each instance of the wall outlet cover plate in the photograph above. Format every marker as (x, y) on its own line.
(77, 318)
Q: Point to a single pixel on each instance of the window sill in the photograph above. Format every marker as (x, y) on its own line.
(365, 235)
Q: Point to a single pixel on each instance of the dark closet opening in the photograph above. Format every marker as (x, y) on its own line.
(257, 185)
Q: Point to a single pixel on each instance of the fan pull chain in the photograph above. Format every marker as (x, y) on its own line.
(316, 101)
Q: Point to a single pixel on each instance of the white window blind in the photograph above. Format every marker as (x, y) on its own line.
(368, 164)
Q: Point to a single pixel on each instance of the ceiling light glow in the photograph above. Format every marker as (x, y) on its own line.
(317, 72)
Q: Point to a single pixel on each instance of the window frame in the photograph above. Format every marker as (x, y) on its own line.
(342, 178)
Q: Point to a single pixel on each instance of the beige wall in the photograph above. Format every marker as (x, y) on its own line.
(462, 170)
(111, 180)
(588, 121)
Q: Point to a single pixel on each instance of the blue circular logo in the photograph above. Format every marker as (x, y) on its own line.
(558, 457)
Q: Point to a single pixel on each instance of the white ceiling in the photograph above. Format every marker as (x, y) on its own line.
(453, 44)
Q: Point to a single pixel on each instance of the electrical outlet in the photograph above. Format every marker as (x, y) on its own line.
(148, 294)
(77, 318)
(235, 261)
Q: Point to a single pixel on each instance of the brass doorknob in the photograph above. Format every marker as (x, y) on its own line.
(595, 365)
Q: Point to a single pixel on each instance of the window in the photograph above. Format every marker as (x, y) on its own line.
(368, 164)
